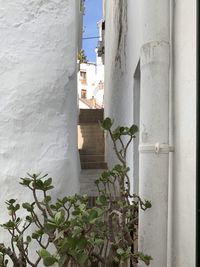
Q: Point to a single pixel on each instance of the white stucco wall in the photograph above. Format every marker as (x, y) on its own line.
(120, 66)
(184, 181)
(38, 104)
(119, 104)
(89, 83)
(94, 75)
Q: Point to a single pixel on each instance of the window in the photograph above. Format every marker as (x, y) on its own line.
(100, 85)
(83, 93)
(103, 25)
(83, 75)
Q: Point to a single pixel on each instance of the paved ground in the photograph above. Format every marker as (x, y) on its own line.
(87, 179)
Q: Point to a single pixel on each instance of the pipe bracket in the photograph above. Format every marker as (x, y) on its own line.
(156, 148)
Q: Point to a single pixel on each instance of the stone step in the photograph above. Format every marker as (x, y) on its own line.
(91, 136)
(91, 158)
(92, 150)
(91, 131)
(87, 181)
(88, 124)
(91, 140)
(94, 165)
(91, 173)
(89, 118)
(90, 115)
(91, 144)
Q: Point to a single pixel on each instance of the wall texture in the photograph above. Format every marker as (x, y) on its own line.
(122, 51)
(184, 181)
(38, 104)
(127, 30)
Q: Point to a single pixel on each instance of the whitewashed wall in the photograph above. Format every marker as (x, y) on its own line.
(184, 180)
(89, 82)
(38, 103)
(94, 75)
(121, 59)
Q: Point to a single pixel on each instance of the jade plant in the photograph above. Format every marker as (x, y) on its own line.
(99, 236)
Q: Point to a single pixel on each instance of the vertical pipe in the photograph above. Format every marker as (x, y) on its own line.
(197, 149)
(171, 140)
(154, 124)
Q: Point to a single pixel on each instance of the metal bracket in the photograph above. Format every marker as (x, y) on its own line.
(156, 148)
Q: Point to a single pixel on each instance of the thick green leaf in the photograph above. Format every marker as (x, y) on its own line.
(147, 204)
(59, 216)
(29, 218)
(27, 206)
(71, 242)
(38, 184)
(26, 181)
(48, 187)
(122, 130)
(116, 133)
(53, 207)
(37, 234)
(48, 182)
(133, 129)
(81, 243)
(44, 253)
(76, 212)
(49, 260)
(145, 258)
(103, 199)
(51, 225)
(16, 207)
(106, 124)
(9, 225)
(100, 211)
(47, 199)
(28, 239)
(12, 201)
(93, 215)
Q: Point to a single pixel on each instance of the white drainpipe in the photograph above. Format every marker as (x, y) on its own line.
(154, 124)
(171, 141)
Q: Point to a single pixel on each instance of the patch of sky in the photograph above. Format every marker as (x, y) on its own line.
(93, 14)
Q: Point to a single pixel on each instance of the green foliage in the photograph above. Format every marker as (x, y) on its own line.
(106, 124)
(48, 259)
(82, 57)
(82, 236)
(145, 258)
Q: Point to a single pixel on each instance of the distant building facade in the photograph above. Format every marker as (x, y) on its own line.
(91, 81)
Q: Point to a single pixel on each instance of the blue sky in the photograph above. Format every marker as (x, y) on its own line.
(93, 13)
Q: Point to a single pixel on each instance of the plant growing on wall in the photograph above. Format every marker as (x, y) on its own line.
(98, 236)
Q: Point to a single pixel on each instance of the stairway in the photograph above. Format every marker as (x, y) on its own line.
(91, 149)
(91, 139)
(87, 181)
